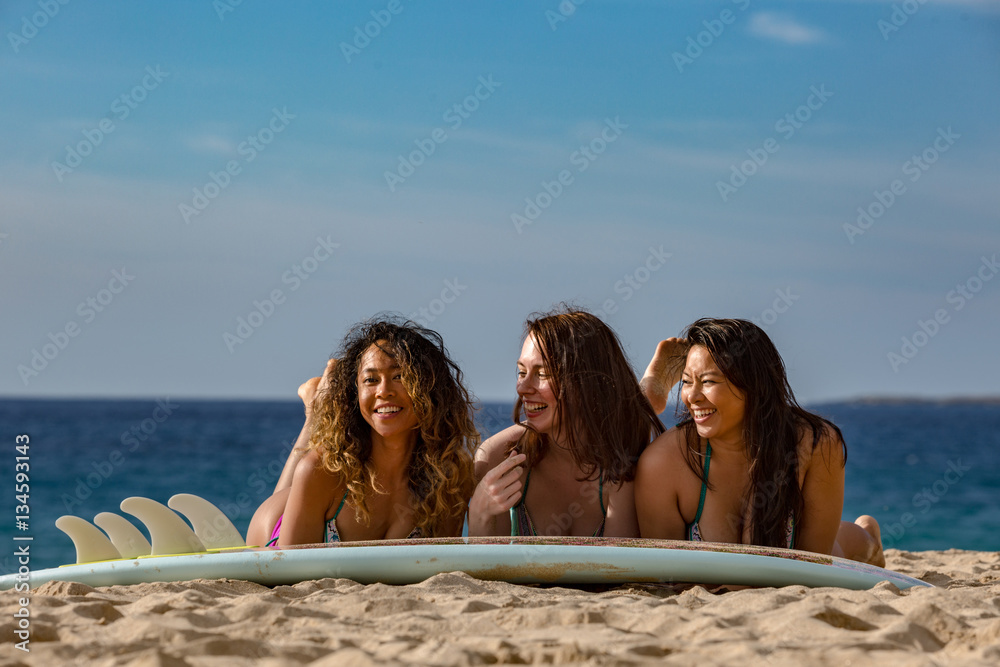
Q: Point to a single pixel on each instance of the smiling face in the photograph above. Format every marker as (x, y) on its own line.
(716, 406)
(536, 388)
(382, 398)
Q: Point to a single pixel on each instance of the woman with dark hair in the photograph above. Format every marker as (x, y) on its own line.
(746, 464)
(567, 468)
(386, 448)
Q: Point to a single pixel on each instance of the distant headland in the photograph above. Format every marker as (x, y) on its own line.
(915, 400)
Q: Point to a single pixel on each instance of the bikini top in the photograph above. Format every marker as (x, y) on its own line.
(520, 520)
(692, 529)
(332, 535)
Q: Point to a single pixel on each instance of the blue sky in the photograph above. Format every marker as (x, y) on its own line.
(169, 170)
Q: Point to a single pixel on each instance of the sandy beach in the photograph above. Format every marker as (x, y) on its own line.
(452, 619)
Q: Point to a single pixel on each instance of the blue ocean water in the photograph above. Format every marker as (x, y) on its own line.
(927, 472)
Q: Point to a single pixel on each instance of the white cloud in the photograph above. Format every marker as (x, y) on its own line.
(783, 28)
(212, 144)
(982, 6)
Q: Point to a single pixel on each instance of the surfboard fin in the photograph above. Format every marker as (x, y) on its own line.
(91, 544)
(212, 527)
(126, 537)
(167, 531)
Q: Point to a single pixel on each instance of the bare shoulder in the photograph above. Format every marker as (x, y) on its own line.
(829, 450)
(661, 482)
(313, 478)
(666, 451)
(310, 463)
(494, 449)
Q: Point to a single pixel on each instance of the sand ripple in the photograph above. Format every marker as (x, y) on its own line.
(452, 619)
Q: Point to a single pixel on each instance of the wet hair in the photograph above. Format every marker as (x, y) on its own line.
(773, 424)
(602, 412)
(440, 471)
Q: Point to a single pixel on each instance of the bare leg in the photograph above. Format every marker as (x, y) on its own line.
(264, 519)
(860, 541)
(309, 391)
(663, 372)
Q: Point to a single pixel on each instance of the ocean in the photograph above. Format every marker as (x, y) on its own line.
(927, 471)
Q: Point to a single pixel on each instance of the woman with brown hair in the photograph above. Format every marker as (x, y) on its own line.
(567, 468)
(386, 448)
(746, 464)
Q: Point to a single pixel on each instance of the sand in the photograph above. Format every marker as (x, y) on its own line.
(452, 619)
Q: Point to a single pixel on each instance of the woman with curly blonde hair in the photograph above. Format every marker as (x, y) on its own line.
(385, 452)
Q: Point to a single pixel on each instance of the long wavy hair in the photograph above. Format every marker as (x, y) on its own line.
(772, 426)
(602, 412)
(440, 470)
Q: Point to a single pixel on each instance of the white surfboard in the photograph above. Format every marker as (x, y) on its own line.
(553, 560)
(176, 552)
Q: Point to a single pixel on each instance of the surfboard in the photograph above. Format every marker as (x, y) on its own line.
(548, 560)
(121, 556)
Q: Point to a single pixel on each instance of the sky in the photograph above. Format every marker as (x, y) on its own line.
(197, 199)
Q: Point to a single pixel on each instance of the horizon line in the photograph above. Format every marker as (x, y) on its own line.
(872, 398)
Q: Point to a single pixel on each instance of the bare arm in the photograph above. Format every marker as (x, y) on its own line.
(309, 500)
(298, 450)
(657, 503)
(622, 520)
(309, 391)
(822, 495)
(500, 483)
(663, 372)
(453, 527)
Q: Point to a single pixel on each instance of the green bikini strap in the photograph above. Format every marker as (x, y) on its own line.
(600, 494)
(339, 507)
(704, 483)
(513, 509)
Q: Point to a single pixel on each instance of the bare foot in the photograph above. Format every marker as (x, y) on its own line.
(313, 388)
(860, 541)
(870, 526)
(664, 371)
